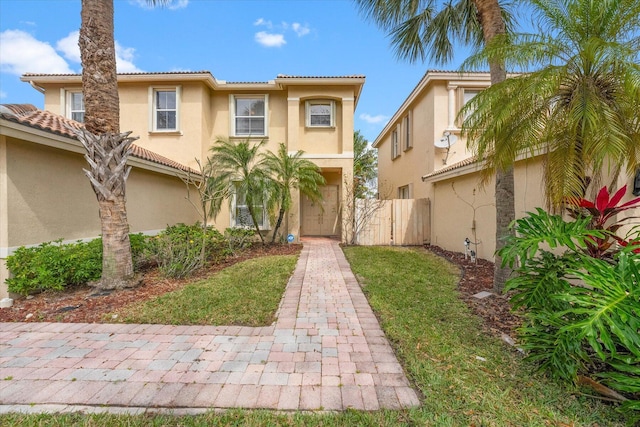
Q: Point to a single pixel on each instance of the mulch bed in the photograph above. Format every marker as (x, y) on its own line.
(84, 304)
(495, 310)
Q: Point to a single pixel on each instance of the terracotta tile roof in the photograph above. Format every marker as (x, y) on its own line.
(29, 115)
(466, 162)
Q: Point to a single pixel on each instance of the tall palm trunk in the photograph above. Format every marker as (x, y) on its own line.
(107, 149)
(490, 17)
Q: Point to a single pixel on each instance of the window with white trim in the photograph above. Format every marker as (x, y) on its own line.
(165, 111)
(395, 145)
(320, 113)
(249, 115)
(404, 192)
(468, 95)
(75, 105)
(240, 216)
(408, 143)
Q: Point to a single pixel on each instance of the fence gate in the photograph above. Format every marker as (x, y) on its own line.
(403, 222)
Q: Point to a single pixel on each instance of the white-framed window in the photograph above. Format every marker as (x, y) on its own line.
(404, 192)
(165, 109)
(249, 115)
(467, 96)
(406, 125)
(240, 216)
(395, 144)
(320, 113)
(73, 104)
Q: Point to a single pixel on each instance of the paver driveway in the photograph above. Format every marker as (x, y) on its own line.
(326, 351)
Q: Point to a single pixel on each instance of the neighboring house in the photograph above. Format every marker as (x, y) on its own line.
(45, 196)
(415, 161)
(180, 115)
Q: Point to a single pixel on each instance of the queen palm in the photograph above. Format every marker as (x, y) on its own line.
(107, 149)
(427, 29)
(289, 172)
(578, 104)
(242, 172)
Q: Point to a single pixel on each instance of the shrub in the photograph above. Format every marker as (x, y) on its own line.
(582, 297)
(54, 265)
(239, 238)
(182, 249)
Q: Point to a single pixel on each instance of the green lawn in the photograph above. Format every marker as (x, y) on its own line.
(247, 294)
(438, 341)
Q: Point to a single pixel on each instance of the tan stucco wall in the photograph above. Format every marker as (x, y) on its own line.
(452, 208)
(48, 197)
(429, 110)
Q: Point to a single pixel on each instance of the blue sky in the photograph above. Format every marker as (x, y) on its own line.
(236, 40)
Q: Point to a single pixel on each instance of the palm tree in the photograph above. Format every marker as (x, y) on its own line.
(427, 29)
(288, 172)
(365, 162)
(241, 171)
(579, 106)
(107, 149)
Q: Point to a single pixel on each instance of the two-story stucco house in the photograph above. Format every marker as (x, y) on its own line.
(421, 154)
(180, 115)
(177, 116)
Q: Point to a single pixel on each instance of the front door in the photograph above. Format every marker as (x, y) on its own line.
(321, 219)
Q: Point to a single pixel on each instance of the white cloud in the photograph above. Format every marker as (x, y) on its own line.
(69, 47)
(374, 119)
(263, 22)
(170, 4)
(124, 59)
(3, 94)
(124, 55)
(21, 53)
(301, 30)
(270, 40)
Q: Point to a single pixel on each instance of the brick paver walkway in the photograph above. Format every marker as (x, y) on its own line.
(325, 352)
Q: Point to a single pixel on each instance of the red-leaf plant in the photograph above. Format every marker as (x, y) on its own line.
(602, 210)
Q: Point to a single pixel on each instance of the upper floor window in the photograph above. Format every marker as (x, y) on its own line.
(395, 146)
(320, 113)
(469, 94)
(249, 115)
(408, 143)
(75, 105)
(165, 111)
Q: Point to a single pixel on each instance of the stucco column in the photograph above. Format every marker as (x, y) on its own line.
(347, 125)
(452, 107)
(4, 217)
(293, 124)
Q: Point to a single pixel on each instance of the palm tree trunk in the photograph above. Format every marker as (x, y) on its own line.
(117, 267)
(278, 223)
(107, 150)
(490, 17)
(99, 76)
(255, 222)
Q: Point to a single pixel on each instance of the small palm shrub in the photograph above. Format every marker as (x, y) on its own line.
(581, 293)
(54, 265)
(182, 249)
